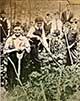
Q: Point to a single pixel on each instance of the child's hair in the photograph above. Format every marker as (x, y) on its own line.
(18, 24)
(39, 19)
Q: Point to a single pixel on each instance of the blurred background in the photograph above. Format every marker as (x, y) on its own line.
(26, 10)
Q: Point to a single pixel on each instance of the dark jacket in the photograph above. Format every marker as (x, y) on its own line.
(64, 17)
(3, 29)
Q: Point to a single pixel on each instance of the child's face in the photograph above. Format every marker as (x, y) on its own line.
(3, 15)
(39, 24)
(17, 31)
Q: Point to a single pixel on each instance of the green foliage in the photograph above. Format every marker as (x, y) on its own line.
(54, 84)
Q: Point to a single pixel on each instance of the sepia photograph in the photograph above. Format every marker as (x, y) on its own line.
(40, 50)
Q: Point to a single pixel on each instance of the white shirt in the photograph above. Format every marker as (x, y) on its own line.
(20, 42)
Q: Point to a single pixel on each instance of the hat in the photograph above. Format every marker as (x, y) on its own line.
(39, 19)
(2, 12)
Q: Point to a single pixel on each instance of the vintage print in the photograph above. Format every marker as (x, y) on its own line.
(40, 50)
